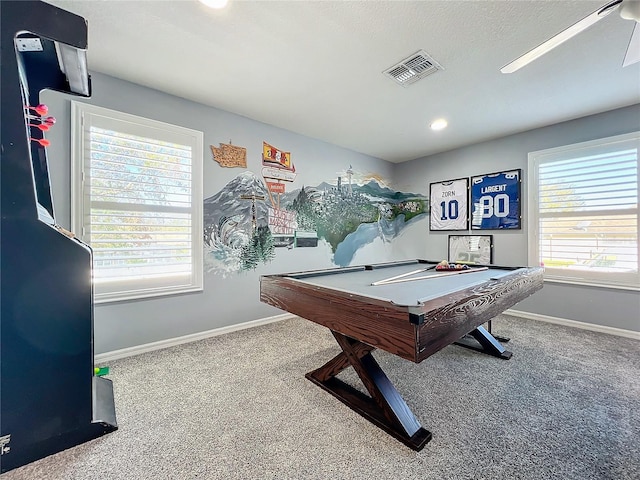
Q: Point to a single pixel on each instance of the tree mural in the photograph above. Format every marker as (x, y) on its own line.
(260, 248)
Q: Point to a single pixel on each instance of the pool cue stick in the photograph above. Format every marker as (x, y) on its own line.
(385, 280)
(426, 277)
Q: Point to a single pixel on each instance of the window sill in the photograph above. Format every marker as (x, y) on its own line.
(102, 299)
(587, 283)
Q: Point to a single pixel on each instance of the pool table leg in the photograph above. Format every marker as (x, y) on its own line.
(385, 407)
(486, 343)
(500, 338)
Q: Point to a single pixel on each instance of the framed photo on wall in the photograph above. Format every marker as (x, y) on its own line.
(495, 200)
(471, 248)
(449, 205)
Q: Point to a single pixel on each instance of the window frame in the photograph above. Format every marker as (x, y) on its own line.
(131, 289)
(614, 280)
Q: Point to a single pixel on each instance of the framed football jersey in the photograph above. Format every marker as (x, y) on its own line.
(495, 200)
(476, 249)
(449, 205)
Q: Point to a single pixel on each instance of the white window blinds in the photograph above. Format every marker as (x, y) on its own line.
(584, 212)
(138, 203)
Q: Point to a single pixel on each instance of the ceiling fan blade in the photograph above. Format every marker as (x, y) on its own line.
(633, 50)
(561, 37)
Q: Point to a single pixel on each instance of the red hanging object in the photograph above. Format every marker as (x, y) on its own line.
(42, 141)
(40, 109)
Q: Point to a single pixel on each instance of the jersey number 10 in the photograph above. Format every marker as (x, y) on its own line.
(449, 208)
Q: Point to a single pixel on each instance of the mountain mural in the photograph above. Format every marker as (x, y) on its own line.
(239, 232)
(234, 203)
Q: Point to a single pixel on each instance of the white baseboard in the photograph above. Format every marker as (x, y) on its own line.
(171, 342)
(573, 323)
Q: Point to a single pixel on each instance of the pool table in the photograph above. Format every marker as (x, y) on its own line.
(407, 308)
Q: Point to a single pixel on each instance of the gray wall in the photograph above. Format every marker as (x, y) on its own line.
(235, 299)
(224, 301)
(601, 306)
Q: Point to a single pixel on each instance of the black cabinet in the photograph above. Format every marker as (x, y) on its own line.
(50, 398)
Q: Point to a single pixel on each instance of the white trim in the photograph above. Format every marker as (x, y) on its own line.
(616, 280)
(172, 342)
(620, 332)
(83, 117)
(634, 288)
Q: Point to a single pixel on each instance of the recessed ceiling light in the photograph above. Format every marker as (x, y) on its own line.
(214, 3)
(439, 124)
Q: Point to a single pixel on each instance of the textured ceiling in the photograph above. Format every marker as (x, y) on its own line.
(315, 67)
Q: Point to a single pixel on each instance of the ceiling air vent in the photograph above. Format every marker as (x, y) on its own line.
(413, 68)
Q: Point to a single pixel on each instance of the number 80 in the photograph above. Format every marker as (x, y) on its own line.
(494, 206)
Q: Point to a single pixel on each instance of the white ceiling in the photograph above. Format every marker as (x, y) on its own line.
(315, 67)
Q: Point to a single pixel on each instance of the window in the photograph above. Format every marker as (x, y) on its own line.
(137, 200)
(583, 212)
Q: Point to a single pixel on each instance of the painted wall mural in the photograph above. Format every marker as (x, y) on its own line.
(246, 221)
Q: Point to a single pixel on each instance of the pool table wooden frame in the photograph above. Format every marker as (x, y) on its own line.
(362, 322)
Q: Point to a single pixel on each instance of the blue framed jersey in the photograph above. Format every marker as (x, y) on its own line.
(495, 200)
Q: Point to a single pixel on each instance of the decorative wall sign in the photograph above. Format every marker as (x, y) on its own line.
(278, 174)
(449, 204)
(282, 222)
(495, 201)
(228, 155)
(278, 166)
(471, 248)
(272, 156)
(275, 187)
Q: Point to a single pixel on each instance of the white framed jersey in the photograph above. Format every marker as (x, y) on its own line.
(495, 200)
(477, 249)
(449, 205)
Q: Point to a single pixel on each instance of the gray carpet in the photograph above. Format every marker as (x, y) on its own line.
(238, 406)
